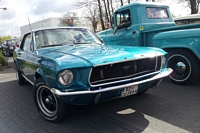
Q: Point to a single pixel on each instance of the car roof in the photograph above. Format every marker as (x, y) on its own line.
(10, 39)
(49, 28)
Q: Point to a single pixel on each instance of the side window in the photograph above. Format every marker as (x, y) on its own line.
(27, 43)
(123, 17)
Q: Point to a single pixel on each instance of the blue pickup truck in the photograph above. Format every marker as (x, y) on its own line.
(152, 25)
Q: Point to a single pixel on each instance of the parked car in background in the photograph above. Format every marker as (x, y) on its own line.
(0, 46)
(18, 42)
(72, 66)
(187, 19)
(8, 47)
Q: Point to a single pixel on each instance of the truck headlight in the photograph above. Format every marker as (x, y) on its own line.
(163, 61)
(65, 77)
(11, 47)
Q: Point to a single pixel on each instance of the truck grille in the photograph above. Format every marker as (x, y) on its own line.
(124, 70)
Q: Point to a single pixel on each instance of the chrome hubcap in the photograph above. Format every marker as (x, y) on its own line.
(180, 67)
(47, 101)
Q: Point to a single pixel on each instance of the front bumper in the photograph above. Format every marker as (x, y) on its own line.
(156, 77)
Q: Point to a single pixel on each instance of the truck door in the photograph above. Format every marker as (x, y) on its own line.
(123, 34)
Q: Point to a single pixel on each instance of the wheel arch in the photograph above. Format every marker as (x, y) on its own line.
(190, 72)
(16, 63)
(40, 74)
(182, 48)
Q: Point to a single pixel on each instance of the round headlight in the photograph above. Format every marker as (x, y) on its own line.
(65, 77)
(163, 61)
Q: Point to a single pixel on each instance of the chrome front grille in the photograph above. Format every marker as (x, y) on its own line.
(124, 70)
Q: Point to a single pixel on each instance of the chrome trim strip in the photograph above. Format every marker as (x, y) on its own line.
(27, 79)
(158, 76)
(122, 80)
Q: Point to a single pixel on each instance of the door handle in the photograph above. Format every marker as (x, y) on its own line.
(133, 32)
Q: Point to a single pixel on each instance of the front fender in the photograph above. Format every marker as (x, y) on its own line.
(40, 73)
(178, 40)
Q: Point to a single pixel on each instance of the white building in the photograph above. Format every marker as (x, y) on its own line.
(50, 22)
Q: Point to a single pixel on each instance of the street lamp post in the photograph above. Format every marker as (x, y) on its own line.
(12, 33)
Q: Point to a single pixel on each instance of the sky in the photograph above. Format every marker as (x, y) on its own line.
(18, 12)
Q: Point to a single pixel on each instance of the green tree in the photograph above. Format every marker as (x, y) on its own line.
(3, 61)
(5, 37)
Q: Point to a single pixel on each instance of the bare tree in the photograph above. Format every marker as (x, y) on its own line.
(93, 12)
(101, 16)
(109, 12)
(92, 15)
(106, 11)
(112, 11)
(194, 6)
(150, 0)
(122, 3)
(69, 19)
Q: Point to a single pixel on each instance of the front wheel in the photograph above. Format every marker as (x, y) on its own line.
(50, 107)
(184, 65)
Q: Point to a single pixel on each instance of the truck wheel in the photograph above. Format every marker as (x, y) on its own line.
(50, 107)
(20, 78)
(184, 65)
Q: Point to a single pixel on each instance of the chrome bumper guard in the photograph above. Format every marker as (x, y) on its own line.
(158, 76)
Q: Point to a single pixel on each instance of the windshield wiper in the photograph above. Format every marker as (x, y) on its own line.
(87, 43)
(82, 43)
(51, 45)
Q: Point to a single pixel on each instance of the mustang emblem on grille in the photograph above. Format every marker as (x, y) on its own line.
(101, 74)
(126, 67)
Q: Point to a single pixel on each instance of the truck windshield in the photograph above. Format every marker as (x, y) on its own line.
(122, 17)
(156, 13)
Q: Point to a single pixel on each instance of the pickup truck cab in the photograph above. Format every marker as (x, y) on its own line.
(152, 25)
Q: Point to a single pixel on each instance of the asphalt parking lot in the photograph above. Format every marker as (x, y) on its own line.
(166, 109)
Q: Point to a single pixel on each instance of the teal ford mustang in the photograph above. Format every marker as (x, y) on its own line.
(72, 66)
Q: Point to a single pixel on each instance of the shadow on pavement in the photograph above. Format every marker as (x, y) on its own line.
(162, 109)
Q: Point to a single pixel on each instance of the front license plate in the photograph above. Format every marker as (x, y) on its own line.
(129, 91)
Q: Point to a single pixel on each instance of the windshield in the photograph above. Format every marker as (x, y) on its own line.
(61, 36)
(12, 42)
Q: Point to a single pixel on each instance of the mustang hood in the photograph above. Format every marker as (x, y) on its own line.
(92, 55)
